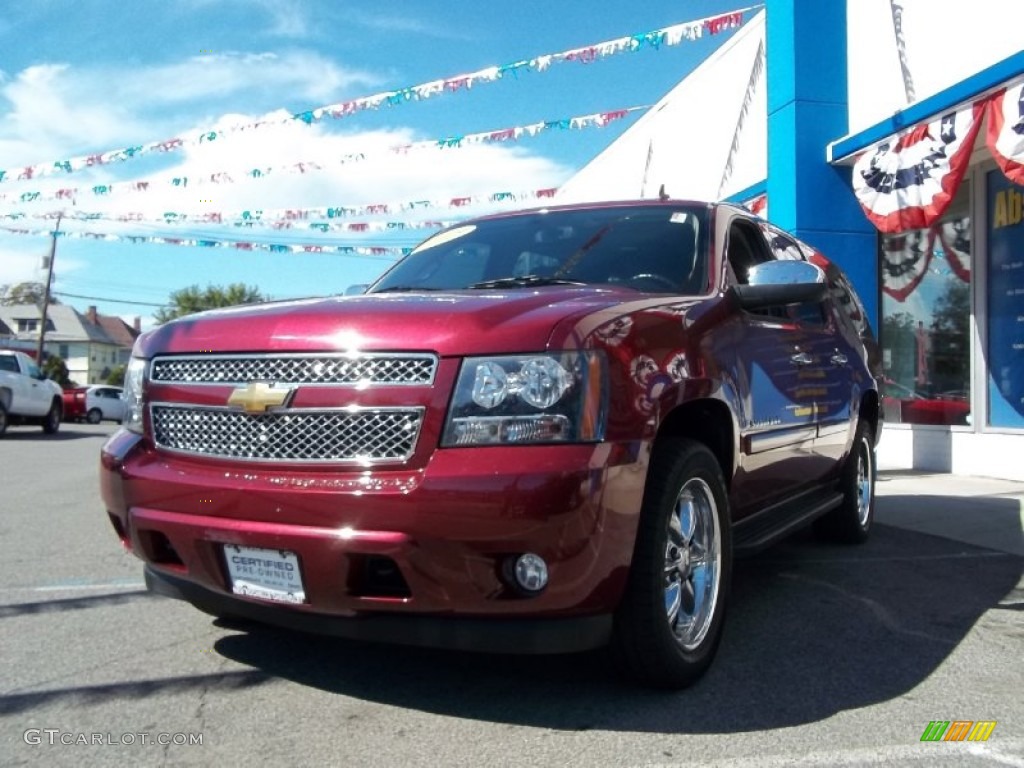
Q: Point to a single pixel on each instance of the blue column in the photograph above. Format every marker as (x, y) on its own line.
(808, 108)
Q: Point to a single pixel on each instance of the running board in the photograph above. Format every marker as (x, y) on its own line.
(767, 526)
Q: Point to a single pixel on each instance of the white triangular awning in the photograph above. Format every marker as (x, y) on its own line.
(705, 140)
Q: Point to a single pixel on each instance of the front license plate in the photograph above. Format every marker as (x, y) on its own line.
(269, 574)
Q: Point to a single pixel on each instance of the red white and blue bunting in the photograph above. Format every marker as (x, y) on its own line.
(908, 257)
(1005, 135)
(907, 183)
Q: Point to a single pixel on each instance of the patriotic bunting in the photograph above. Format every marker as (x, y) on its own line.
(1005, 135)
(905, 261)
(954, 243)
(908, 183)
(667, 36)
(757, 205)
(580, 122)
(908, 257)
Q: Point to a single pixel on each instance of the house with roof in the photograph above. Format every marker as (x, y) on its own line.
(90, 344)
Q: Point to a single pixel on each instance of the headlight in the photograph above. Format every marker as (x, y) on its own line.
(134, 377)
(520, 399)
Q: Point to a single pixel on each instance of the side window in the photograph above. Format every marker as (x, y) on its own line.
(8, 363)
(847, 302)
(745, 249)
(782, 246)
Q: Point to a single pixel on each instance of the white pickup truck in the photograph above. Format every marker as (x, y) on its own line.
(26, 395)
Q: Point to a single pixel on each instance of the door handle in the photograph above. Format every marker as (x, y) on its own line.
(838, 358)
(801, 358)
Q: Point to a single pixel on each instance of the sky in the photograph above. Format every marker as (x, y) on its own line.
(84, 77)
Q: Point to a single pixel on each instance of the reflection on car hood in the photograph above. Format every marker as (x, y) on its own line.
(449, 323)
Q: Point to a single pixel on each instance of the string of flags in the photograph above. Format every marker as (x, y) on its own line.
(389, 252)
(656, 39)
(247, 217)
(300, 220)
(515, 133)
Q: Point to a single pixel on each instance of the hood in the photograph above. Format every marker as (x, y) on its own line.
(450, 324)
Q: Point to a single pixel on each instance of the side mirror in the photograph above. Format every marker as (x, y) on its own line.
(778, 283)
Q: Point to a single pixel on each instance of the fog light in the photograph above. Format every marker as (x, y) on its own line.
(531, 572)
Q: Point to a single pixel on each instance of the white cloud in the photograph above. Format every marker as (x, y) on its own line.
(57, 107)
(382, 177)
(303, 75)
(407, 24)
(58, 111)
(19, 263)
(21, 260)
(48, 113)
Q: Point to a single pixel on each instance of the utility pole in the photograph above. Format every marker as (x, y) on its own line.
(46, 292)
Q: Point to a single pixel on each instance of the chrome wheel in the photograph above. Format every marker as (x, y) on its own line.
(865, 480)
(693, 558)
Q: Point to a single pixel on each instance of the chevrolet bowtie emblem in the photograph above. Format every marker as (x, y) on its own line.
(257, 397)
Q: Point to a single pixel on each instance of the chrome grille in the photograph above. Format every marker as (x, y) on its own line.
(336, 369)
(370, 435)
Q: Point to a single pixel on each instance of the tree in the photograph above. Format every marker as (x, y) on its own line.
(951, 328)
(898, 338)
(195, 299)
(24, 293)
(55, 368)
(116, 377)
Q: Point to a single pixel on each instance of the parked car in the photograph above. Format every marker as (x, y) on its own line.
(907, 405)
(26, 395)
(103, 403)
(539, 432)
(74, 403)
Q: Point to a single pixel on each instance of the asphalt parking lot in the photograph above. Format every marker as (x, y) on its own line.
(831, 656)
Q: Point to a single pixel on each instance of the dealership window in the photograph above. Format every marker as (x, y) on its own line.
(926, 311)
(1005, 301)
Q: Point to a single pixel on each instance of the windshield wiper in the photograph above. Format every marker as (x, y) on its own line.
(524, 281)
(405, 289)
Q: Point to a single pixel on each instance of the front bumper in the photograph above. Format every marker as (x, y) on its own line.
(524, 636)
(447, 529)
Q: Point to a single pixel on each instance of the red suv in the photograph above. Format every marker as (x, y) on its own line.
(541, 431)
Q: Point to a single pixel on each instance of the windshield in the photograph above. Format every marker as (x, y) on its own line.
(654, 249)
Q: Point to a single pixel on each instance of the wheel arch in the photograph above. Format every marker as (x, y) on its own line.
(869, 412)
(707, 421)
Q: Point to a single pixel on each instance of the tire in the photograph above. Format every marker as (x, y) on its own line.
(850, 523)
(52, 419)
(3, 419)
(94, 416)
(654, 640)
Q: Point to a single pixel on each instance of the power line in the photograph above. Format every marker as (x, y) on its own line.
(112, 301)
